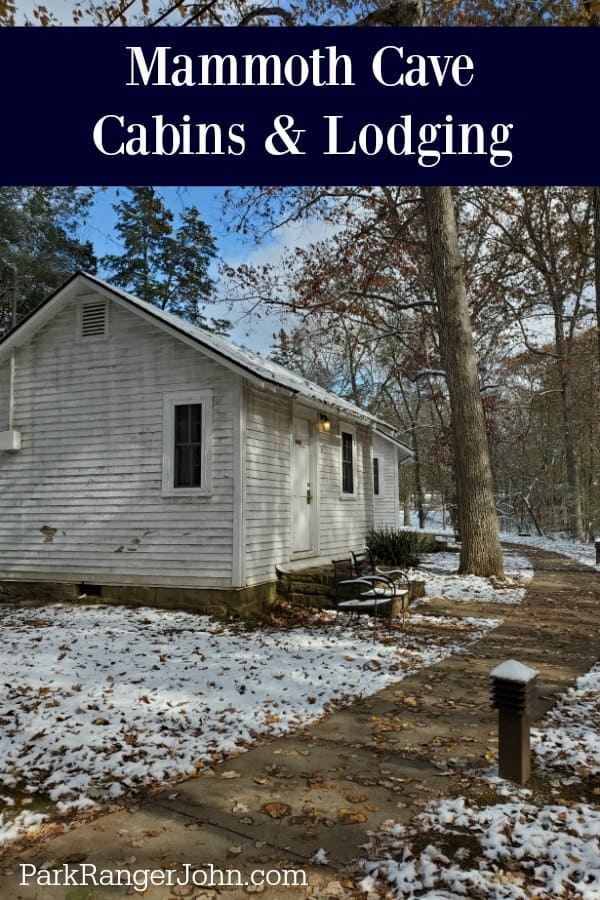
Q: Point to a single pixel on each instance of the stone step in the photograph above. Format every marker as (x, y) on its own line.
(302, 587)
(310, 576)
(318, 600)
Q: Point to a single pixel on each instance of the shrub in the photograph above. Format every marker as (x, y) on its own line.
(399, 548)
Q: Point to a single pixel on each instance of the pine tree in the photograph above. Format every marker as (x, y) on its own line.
(39, 236)
(164, 264)
(144, 225)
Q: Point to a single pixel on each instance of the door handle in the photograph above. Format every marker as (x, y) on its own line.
(308, 495)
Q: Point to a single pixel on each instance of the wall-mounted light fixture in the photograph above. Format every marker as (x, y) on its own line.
(323, 425)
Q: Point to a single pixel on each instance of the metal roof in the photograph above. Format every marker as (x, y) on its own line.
(247, 361)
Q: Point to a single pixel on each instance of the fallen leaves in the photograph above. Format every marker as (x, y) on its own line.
(276, 810)
(351, 816)
(73, 733)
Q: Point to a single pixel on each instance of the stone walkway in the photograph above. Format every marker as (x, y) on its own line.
(327, 786)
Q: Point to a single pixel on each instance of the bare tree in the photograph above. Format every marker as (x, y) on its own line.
(481, 553)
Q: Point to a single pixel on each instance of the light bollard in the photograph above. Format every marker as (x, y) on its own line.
(513, 691)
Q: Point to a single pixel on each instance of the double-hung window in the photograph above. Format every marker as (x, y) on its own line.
(376, 482)
(187, 464)
(348, 461)
(187, 438)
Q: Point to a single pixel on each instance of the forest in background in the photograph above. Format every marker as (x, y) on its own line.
(369, 329)
(363, 310)
(463, 315)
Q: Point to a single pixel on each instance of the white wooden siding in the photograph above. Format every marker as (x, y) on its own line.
(344, 523)
(90, 414)
(267, 483)
(386, 504)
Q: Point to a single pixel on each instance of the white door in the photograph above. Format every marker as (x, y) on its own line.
(303, 499)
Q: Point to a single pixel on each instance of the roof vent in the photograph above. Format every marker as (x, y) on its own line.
(93, 319)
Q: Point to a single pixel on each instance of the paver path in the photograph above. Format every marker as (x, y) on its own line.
(343, 776)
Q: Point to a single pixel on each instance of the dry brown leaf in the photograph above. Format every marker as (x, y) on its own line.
(351, 817)
(276, 810)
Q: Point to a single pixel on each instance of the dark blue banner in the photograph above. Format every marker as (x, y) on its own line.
(299, 106)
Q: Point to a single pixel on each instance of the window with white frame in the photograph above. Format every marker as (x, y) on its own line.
(348, 461)
(187, 439)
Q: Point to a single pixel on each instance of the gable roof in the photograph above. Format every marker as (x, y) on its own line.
(247, 363)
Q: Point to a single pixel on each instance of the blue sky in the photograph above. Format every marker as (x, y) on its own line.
(232, 248)
(100, 230)
(209, 200)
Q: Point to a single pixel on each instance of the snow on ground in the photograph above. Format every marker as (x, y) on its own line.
(438, 571)
(583, 553)
(571, 730)
(507, 850)
(102, 700)
(511, 850)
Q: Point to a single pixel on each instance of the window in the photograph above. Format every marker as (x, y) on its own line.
(347, 462)
(187, 467)
(376, 475)
(187, 436)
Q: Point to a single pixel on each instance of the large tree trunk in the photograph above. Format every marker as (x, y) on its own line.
(596, 199)
(481, 553)
(574, 508)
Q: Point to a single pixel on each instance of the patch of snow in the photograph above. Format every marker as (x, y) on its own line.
(582, 553)
(570, 732)
(15, 827)
(522, 851)
(104, 700)
(434, 522)
(512, 670)
(439, 571)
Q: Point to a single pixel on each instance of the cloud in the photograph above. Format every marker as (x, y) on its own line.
(252, 330)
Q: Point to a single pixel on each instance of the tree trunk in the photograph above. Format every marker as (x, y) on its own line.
(419, 493)
(406, 505)
(481, 553)
(574, 511)
(596, 198)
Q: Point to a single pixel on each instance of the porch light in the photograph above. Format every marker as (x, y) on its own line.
(323, 425)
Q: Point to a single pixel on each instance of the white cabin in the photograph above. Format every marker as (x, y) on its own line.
(145, 460)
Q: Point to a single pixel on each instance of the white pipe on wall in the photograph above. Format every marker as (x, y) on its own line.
(11, 392)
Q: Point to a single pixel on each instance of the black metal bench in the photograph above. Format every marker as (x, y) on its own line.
(365, 566)
(357, 595)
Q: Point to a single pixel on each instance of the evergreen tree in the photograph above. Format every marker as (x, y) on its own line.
(164, 264)
(39, 236)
